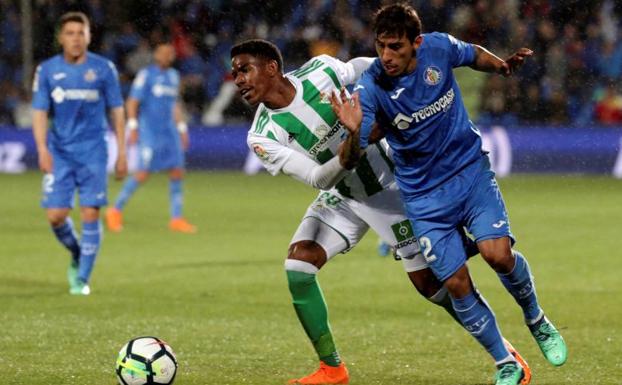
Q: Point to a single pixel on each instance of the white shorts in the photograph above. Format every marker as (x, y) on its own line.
(338, 224)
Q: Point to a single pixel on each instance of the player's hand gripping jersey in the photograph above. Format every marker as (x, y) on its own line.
(308, 126)
(428, 126)
(366, 197)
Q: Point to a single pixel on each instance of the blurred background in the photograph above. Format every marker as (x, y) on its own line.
(570, 91)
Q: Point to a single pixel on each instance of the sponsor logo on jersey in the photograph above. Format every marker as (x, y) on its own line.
(261, 152)
(432, 75)
(90, 75)
(59, 95)
(161, 90)
(59, 76)
(319, 146)
(443, 103)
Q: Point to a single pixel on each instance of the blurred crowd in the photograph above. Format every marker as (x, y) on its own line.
(575, 77)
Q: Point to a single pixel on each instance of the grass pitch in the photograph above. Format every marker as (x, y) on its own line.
(220, 297)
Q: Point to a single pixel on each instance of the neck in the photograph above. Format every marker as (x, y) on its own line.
(411, 66)
(75, 59)
(281, 94)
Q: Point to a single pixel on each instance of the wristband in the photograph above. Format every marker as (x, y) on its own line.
(132, 124)
(182, 127)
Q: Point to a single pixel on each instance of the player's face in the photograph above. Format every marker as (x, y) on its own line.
(396, 53)
(74, 37)
(252, 76)
(164, 55)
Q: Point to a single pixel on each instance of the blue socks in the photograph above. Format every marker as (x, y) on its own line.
(479, 320)
(176, 197)
(130, 185)
(66, 234)
(519, 283)
(91, 237)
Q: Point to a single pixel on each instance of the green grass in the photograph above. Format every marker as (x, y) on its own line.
(220, 297)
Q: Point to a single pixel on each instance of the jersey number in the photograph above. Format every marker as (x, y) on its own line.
(48, 183)
(426, 245)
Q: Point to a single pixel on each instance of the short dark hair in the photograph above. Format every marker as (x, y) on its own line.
(259, 48)
(77, 17)
(397, 19)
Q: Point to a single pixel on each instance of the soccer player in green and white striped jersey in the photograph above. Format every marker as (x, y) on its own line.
(295, 131)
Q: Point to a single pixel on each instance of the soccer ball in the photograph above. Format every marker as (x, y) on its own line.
(146, 361)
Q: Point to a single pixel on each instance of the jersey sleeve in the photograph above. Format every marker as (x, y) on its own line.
(343, 71)
(40, 90)
(369, 108)
(272, 154)
(112, 89)
(139, 85)
(460, 53)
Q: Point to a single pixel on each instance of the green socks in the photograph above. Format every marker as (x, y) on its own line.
(313, 314)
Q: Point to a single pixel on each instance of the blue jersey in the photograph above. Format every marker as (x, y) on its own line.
(77, 96)
(156, 89)
(423, 114)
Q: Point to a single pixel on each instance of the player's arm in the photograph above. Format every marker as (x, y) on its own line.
(131, 106)
(117, 120)
(40, 132)
(182, 126)
(487, 61)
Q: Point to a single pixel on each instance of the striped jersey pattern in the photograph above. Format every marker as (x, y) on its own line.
(309, 126)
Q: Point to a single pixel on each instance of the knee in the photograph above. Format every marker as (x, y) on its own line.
(176, 174)
(141, 176)
(309, 252)
(89, 214)
(459, 284)
(56, 218)
(425, 282)
(498, 254)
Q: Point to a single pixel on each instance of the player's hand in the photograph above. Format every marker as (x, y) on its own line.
(185, 140)
(515, 61)
(45, 161)
(120, 167)
(133, 138)
(348, 110)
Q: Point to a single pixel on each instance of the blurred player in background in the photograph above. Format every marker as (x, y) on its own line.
(444, 176)
(295, 131)
(74, 89)
(155, 121)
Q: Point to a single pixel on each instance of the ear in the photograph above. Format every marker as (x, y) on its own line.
(272, 67)
(418, 41)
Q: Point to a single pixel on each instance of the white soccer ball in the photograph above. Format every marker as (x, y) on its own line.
(146, 361)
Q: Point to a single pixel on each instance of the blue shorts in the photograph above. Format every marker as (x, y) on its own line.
(157, 158)
(471, 199)
(89, 179)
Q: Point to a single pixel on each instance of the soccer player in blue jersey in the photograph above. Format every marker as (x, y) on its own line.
(155, 121)
(443, 175)
(74, 89)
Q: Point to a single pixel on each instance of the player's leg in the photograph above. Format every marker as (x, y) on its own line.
(58, 191)
(91, 180)
(436, 219)
(328, 228)
(176, 197)
(489, 223)
(114, 214)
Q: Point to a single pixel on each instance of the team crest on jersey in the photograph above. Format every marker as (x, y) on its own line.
(321, 131)
(324, 98)
(260, 152)
(432, 75)
(90, 75)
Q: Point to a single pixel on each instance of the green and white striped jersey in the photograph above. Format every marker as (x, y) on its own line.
(309, 126)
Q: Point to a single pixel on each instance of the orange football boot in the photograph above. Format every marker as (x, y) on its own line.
(181, 225)
(325, 375)
(114, 219)
(521, 361)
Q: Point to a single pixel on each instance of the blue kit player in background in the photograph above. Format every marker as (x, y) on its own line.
(75, 89)
(155, 122)
(444, 176)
